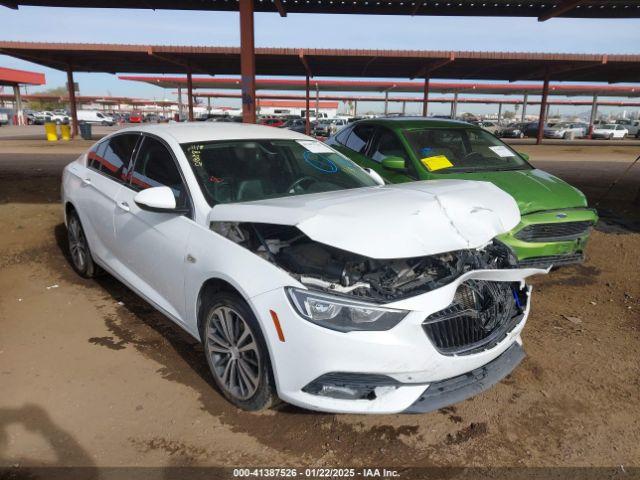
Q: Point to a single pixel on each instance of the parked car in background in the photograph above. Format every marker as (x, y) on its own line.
(328, 126)
(4, 118)
(293, 124)
(489, 125)
(609, 131)
(136, 117)
(632, 126)
(272, 121)
(513, 130)
(302, 276)
(566, 130)
(47, 117)
(556, 221)
(93, 116)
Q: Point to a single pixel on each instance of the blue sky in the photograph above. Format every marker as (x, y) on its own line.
(298, 30)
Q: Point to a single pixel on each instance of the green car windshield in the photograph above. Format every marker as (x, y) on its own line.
(455, 150)
(247, 170)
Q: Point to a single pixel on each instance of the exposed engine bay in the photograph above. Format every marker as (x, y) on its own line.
(324, 267)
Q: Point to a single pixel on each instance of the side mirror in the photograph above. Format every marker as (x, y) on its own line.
(375, 175)
(394, 163)
(157, 199)
(524, 155)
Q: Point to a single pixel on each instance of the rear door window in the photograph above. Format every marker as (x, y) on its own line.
(114, 156)
(360, 137)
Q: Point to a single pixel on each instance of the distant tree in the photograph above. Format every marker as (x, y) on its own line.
(508, 115)
(49, 104)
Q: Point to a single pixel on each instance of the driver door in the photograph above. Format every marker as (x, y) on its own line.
(152, 245)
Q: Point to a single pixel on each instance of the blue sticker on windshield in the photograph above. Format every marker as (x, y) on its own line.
(325, 165)
(426, 151)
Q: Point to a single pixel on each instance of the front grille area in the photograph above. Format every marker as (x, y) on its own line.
(553, 232)
(480, 316)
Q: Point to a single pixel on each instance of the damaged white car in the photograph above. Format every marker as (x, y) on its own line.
(304, 277)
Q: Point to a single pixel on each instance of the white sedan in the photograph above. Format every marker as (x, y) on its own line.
(609, 131)
(304, 278)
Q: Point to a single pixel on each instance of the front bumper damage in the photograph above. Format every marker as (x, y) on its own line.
(392, 369)
(456, 389)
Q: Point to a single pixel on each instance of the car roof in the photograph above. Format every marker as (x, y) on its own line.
(189, 132)
(415, 122)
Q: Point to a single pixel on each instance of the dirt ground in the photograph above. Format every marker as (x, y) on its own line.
(91, 375)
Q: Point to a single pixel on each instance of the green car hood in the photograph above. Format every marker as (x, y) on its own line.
(534, 190)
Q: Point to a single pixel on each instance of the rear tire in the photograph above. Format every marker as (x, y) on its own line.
(81, 259)
(236, 352)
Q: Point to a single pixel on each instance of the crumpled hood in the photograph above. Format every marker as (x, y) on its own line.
(392, 221)
(534, 190)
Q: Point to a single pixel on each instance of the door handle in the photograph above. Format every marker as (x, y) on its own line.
(124, 206)
(86, 181)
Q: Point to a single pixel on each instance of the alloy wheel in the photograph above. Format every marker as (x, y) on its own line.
(77, 243)
(233, 352)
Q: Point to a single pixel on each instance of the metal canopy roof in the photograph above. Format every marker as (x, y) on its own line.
(327, 63)
(392, 87)
(9, 76)
(542, 9)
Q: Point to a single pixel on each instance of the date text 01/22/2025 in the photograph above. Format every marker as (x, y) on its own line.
(315, 473)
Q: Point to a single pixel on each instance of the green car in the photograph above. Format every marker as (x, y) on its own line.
(556, 221)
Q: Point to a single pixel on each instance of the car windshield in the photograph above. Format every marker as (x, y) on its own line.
(608, 127)
(455, 150)
(246, 170)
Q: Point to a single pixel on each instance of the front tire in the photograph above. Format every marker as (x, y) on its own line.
(236, 352)
(81, 259)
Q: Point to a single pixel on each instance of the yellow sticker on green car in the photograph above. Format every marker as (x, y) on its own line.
(437, 162)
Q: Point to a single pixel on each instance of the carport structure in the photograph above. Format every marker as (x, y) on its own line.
(423, 66)
(385, 86)
(311, 63)
(14, 78)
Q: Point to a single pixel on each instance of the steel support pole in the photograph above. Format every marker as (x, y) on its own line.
(355, 108)
(190, 95)
(208, 104)
(386, 102)
(404, 108)
(543, 109)
(179, 103)
(454, 106)
(524, 107)
(247, 62)
(594, 113)
(317, 101)
(307, 121)
(499, 112)
(425, 97)
(17, 105)
(72, 103)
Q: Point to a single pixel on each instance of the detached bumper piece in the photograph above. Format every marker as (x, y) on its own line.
(456, 389)
(551, 261)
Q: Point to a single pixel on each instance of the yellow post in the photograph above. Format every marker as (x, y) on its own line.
(51, 131)
(65, 132)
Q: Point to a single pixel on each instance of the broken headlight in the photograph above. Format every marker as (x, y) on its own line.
(341, 314)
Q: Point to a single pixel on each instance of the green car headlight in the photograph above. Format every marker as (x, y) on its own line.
(343, 315)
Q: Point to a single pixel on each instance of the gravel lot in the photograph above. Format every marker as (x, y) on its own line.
(91, 375)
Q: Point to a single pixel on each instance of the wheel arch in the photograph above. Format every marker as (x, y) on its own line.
(209, 287)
